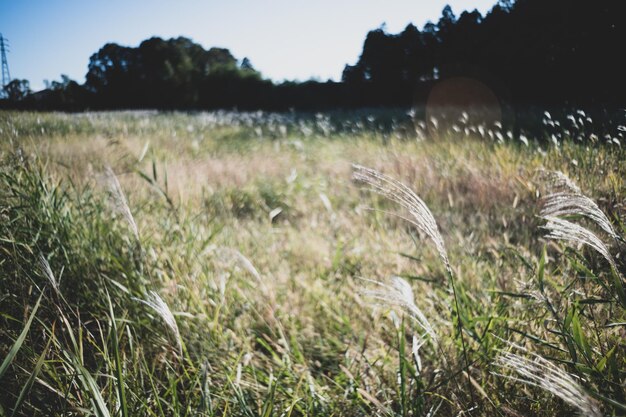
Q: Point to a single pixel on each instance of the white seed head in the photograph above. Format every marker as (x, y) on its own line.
(47, 272)
(566, 199)
(400, 294)
(394, 190)
(560, 229)
(536, 371)
(233, 255)
(118, 199)
(157, 304)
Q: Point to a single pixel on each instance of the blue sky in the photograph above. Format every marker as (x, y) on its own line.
(284, 39)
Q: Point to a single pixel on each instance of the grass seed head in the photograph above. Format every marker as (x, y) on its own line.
(566, 199)
(539, 372)
(394, 190)
(47, 272)
(560, 229)
(118, 199)
(400, 294)
(157, 304)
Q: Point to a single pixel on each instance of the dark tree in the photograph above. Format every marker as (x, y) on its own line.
(526, 52)
(17, 90)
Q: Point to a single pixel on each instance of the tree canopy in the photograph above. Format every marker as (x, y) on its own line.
(527, 52)
(530, 51)
(162, 73)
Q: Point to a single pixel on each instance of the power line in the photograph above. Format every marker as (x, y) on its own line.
(4, 48)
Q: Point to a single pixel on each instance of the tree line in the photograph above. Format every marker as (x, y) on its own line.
(527, 52)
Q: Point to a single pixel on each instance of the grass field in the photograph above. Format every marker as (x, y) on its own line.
(223, 264)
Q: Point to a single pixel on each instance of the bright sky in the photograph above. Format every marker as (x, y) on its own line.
(284, 39)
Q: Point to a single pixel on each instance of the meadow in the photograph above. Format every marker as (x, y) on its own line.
(362, 264)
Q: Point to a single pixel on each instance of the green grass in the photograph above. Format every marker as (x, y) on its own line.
(264, 251)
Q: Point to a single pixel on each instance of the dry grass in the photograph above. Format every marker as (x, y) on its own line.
(258, 246)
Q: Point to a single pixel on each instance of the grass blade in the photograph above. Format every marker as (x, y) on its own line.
(20, 340)
(119, 373)
(31, 379)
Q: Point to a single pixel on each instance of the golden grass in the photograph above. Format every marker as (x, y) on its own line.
(289, 206)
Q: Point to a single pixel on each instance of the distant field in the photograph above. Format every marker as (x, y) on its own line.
(234, 264)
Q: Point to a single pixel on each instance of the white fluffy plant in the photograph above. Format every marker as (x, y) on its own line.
(566, 199)
(399, 294)
(420, 215)
(562, 205)
(118, 201)
(534, 370)
(160, 307)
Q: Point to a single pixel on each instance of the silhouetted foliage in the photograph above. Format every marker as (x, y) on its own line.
(527, 52)
(159, 73)
(17, 90)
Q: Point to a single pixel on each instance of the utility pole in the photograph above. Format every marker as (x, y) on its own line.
(4, 48)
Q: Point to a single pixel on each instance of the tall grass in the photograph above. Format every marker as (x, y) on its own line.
(136, 278)
(589, 365)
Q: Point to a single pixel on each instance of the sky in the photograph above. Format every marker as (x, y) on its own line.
(284, 39)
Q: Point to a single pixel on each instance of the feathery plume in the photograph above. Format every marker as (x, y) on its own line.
(415, 348)
(559, 182)
(541, 373)
(561, 229)
(566, 199)
(118, 199)
(400, 294)
(394, 190)
(231, 254)
(47, 271)
(157, 304)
